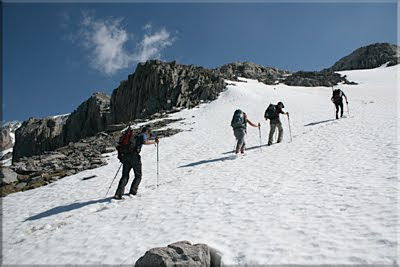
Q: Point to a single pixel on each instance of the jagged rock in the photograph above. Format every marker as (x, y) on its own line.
(160, 86)
(36, 136)
(181, 253)
(251, 70)
(6, 141)
(314, 78)
(7, 176)
(88, 119)
(369, 57)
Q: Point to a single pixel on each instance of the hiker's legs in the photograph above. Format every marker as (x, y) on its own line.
(337, 110)
(271, 133)
(126, 168)
(280, 131)
(137, 169)
(239, 134)
(341, 108)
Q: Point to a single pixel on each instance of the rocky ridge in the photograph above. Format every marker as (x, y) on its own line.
(369, 57)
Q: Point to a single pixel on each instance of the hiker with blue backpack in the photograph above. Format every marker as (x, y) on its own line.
(129, 147)
(272, 113)
(239, 125)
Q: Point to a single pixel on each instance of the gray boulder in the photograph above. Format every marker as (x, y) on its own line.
(7, 176)
(369, 57)
(181, 254)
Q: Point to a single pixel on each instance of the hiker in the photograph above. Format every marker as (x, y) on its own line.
(272, 113)
(337, 99)
(131, 160)
(239, 123)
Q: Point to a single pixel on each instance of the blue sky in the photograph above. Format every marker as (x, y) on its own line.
(56, 55)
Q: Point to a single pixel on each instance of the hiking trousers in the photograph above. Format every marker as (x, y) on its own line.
(337, 105)
(131, 162)
(272, 132)
(241, 143)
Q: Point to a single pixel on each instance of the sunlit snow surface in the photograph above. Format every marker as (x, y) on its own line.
(327, 197)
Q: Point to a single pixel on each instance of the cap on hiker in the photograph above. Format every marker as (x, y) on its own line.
(281, 104)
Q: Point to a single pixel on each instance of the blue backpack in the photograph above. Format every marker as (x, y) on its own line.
(238, 120)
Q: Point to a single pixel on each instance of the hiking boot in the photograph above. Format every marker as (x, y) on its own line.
(117, 197)
(132, 193)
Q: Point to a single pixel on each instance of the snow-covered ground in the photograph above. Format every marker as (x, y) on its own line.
(327, 197)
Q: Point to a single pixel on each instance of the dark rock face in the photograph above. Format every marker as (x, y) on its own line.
(251, 70)
(181, 253)
(88, 119)
(36, 136)
(316, 78)
(369, 57)
(159, 86)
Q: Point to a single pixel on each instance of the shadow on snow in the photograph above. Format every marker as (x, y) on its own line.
(66, 208)
(247, 149)
(318, 122)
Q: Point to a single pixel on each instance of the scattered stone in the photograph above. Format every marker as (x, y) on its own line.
(8, 176)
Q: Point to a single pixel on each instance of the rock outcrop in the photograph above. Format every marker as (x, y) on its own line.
(36, 136)
(251, 70)
(369, 57)
(181, 253)
(6, 141)
(160, 86)
(88, 119)
(315, 78)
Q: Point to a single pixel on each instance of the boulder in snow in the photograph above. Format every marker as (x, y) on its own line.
(181, 253)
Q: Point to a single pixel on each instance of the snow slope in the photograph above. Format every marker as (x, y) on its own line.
(327, 197)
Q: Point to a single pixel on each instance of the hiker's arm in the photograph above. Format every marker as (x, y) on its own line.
(346, 98)
(151, 142)
(252, 124)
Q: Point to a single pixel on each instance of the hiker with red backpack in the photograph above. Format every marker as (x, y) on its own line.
(337, 99)
(239, 123)
(129, 148)
(272, 113)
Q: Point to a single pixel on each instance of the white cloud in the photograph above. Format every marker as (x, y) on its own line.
(106, 41)
(152, 45)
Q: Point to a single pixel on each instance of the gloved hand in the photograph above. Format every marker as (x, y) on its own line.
(157, 140)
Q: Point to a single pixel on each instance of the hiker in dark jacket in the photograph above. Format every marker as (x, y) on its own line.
(239, 123)
(275, 122)
(337, 99)
(133, 161)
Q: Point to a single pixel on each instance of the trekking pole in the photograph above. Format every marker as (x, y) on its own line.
(290, 131)
(113, 179)
(259, 133)
(157, 164)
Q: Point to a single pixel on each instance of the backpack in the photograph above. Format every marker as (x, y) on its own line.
(125, 144)
(238, 120)
(337, 95)
(270, 112)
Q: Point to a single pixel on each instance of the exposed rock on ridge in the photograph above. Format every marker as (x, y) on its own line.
(88, 119)
(369, 57)
(38, 135)
(159, 86)
(251, 70)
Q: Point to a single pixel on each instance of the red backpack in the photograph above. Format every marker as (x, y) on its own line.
(125, 144)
